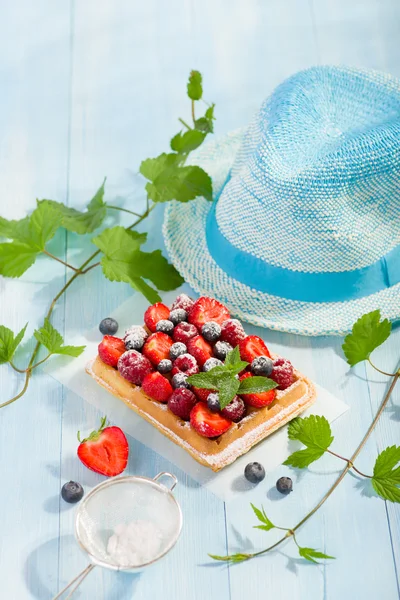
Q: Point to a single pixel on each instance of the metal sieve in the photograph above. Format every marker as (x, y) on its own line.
(123, 500)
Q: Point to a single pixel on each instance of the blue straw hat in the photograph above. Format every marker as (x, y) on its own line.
(303, 234)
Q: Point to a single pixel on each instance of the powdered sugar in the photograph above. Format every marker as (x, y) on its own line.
(134, 544)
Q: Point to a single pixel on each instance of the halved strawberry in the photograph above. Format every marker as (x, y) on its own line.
(157, 347)
(200, 349)
(207, 423)
(258, 400)
(201, 393)
(110, 349)
(157, 387)
(252, 346)
(207, 309)
(105, 451)
(156, 312)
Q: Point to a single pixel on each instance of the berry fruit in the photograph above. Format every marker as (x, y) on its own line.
(185, 363)
(105, 451)
(284, 485)
(207, 423)
(137, 330)
(258, 400)
(135, 337)
(232, 332)
(262, 365)
(157, 387)
(200, 349)
(221, 349)
(72, 492)
(134, 367)
(157, 347)
(207, 309)
(213, 402)
(181, 403)
(183, 332)
(254, 472)
(183, 301)
(252, 346)
(235, 410)
(165, 326)
(155, 313)
(180, 381)
(211, 363)
(211, 331)
(201, 393)
(164, 366)
(176, 350)
(111, 349)
(108, 326)
(282, 373)
(178, 315)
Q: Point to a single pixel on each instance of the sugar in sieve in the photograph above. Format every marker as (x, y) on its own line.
(124, 500)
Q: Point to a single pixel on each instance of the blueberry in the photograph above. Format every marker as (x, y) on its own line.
(108, 326)
(165, 326)
(178, 315)
(134, 341)
(213, 402)
(211, 331)
(284, 485)
(254, 472)
(176, 350)
(221, 349)
(180, 380)
(211, 363)
(72, 492)
(262, 365)
(164, 366)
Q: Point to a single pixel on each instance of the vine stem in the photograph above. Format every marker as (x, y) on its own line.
(131, 212)
(60, 261)
(380, 370)
(193, 114)
(184, 123)
(348, 462)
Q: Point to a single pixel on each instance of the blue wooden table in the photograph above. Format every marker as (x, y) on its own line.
(89, 89)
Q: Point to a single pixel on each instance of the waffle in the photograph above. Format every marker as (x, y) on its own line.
(216, 453)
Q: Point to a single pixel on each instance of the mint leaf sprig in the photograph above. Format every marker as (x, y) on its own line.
(224, 379)
(369, 332)
(119, 248)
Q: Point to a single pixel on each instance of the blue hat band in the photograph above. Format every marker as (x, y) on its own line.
(296, 285)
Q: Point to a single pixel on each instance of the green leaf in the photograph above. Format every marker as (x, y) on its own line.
(232, 357)
(262, 517)
(151, 168)
(43, 224)
(256, 385)
(9, 342)
(11, 230)
(311, 554)
(188, 141)
(228, 390)
(315, 433)
(180, 183)
(205, 124)
(232, 558)
(368, 333)
(16, 258)
(194, 86)
(237, 367)
(386, 477)
(206, 381)
(52, 339)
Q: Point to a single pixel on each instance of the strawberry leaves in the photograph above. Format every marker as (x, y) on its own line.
(266, 524)
(315, 433)
(9, 342)
(368, 333)
(310, 554)
(386, 474)
(52, 339)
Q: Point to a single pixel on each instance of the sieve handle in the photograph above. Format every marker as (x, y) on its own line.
(165, 474)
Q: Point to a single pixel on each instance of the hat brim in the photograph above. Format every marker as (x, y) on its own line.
(185, 239)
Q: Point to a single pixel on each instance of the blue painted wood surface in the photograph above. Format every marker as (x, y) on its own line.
(89, 89)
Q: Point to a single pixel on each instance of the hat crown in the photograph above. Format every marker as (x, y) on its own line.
(322, 160)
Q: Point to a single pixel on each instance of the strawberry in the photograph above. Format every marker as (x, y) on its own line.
(104, 451)
(157, 347)
(258, 400)
(201, 393)
(207, 423)
(252, 346)
(155, 313)
(157, 387)
(200, 349)
(207, 309)
(110, 349)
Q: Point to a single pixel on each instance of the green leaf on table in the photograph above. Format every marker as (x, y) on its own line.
(52, 339)
(194, 86)
(315, 433)
(262, 517)
(188, 141)
(180, 183)
(231, 558)
(311, 554)
(81, 222)
(151, 168)
(256, 385)
(9, 342)
(368, 333)
(11, 230)
(386, 475)
(16, 258)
